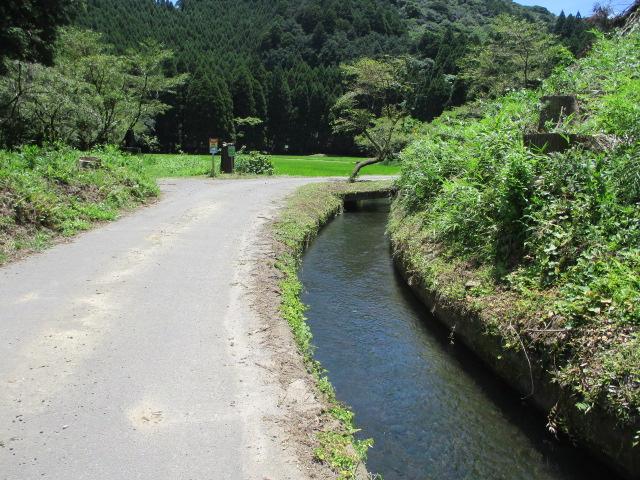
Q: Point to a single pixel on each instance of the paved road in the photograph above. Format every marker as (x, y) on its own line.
(122, 352)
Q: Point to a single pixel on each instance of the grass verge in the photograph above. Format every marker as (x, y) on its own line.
(305, 212)
(166, 165)
(45, 196)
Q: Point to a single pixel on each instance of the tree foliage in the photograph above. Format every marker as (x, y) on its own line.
(28, 28)
(280, 61)
(516, 54)
(90, 96)
(261, 48)
(575, 33)
(374, 105)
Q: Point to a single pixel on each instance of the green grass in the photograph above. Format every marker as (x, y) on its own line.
(43, 195)
(326, 166)
(167, 165)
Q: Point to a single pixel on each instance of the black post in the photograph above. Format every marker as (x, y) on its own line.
(228, 158)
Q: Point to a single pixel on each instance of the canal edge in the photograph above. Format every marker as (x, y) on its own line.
(329, 438)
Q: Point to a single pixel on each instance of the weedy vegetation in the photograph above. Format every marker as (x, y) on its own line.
(254, 163)
(161, 165)
(44, 195)
(545, 247)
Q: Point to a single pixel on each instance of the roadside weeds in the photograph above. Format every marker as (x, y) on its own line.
(298, 223)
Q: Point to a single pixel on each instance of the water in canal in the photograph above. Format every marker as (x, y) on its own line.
(433, 411)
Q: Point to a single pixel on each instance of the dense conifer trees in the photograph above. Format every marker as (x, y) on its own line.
(278, 60)
(28, 28)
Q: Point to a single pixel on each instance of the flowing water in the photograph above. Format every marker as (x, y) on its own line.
(432, 409)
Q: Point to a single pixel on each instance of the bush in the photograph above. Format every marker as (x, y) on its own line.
(254, 164)
(458, 218)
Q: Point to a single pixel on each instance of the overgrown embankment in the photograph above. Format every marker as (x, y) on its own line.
(44, 195)
(311, 207)
(539, 253)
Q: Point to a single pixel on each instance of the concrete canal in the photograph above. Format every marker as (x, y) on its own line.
(432, 409)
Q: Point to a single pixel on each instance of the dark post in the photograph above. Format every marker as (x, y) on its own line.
(228, 158)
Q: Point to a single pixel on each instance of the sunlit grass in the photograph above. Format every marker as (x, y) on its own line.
(167, 165)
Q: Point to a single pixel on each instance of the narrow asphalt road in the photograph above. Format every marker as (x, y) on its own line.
(123, 351)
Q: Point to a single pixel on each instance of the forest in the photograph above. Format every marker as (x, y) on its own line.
(265, 74)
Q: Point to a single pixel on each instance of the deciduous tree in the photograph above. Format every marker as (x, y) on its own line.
(516, 54)
(89, 96)
(374, 106)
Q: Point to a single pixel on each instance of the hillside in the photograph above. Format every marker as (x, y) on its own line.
(467, 14)
(278, 61)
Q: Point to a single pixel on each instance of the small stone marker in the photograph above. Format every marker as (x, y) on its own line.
(551, 142)
(89, 162)
(555, 109)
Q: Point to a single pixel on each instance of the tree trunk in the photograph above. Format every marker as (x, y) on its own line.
(360, 165)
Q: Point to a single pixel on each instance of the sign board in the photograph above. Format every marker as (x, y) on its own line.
(232, 150)
(213, 146)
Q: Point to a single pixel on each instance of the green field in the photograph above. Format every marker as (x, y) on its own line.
(165, 165)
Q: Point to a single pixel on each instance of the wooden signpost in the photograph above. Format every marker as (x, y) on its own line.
(228, 153)
(214, 148)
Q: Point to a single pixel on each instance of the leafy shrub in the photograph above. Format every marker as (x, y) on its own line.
(458, 144)
(458, 218)
(546, 208)
(254, 164)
